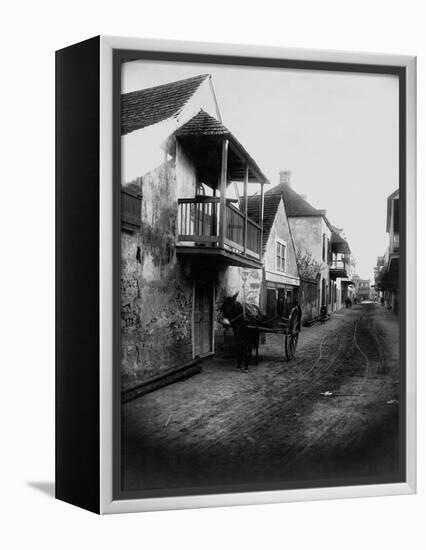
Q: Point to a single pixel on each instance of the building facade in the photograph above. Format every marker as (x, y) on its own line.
(280, 282)
(362, 288)
(387, 268)
(184, 242)
(323, 255)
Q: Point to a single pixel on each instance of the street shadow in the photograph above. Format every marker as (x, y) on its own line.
(46, 487)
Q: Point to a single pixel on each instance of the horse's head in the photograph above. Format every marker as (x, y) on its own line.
(230, 309)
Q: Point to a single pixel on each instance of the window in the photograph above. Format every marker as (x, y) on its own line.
(131, 199)
(281, 250)
(324, 247)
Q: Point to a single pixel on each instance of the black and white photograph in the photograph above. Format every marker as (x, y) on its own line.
(212, 283)
(260, 304)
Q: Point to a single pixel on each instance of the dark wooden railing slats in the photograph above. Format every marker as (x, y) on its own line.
(199, 221)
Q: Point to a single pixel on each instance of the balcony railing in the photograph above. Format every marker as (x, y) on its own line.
(339, 268)
(339, 264)
(395, 243)
(199, 222)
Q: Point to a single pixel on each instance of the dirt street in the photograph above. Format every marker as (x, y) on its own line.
(327, 417)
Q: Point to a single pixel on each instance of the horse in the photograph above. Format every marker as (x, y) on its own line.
(246, 336)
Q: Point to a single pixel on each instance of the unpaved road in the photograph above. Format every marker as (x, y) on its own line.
(330, 416)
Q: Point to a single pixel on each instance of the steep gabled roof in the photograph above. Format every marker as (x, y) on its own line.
(295, 204)
(151, 105)
(204, 125)
(271, 204)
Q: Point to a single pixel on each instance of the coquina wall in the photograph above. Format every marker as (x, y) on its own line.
(308, 298)
(156, 287)
(307, 234)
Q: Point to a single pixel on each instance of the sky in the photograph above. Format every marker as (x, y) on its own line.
(336, 132)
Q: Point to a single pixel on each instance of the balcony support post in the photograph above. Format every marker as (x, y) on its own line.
(246, 175)
(262, 205)
(223, 178)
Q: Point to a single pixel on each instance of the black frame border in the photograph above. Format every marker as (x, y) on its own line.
(77, 399)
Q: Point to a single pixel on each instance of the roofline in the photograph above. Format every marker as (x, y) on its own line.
(235, 145)
(174, 115)
(245, 156)
(165, 84)
(392, 195)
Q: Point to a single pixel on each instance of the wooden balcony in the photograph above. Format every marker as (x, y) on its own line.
(395, 243)
(207, 227)
(210, 226)
(339, 269)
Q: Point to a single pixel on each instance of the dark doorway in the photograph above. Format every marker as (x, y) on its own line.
(203, 318)
(271, 303)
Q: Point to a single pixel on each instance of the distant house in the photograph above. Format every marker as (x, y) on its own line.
(278, 288)
(323, 254)
(362, 288)
(387, 268)
(184, 239)
(341, 269)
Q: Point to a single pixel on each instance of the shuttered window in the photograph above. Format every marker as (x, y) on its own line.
(130, 209)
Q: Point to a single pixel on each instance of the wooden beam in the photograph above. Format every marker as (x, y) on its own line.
(262, 206)
(246, 176)
(223, 178)
(260, 178)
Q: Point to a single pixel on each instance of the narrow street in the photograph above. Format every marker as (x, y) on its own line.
(329, 414)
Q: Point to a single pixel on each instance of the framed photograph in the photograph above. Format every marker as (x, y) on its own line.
(235, 275)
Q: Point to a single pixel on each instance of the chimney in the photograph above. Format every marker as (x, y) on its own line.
(285, 176)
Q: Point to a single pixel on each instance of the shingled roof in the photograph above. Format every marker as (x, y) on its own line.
(339, 243)
(204, 125)
(151, 105)
(271, 203)
(295, 204)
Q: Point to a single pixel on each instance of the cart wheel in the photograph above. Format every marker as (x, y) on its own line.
(292, 337)
(291, 345)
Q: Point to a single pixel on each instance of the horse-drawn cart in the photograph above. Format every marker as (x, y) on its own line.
(288, 327)
(248, 322)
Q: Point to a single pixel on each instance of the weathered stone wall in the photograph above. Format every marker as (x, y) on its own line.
(307, 235)
(308, 299)
(156, 289)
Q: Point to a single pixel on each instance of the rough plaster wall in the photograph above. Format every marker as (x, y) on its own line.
(307, 235)
(339, 294)
(186, 177)
(252, 284)
(156, 288)
(234, 279)
(308, 300)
